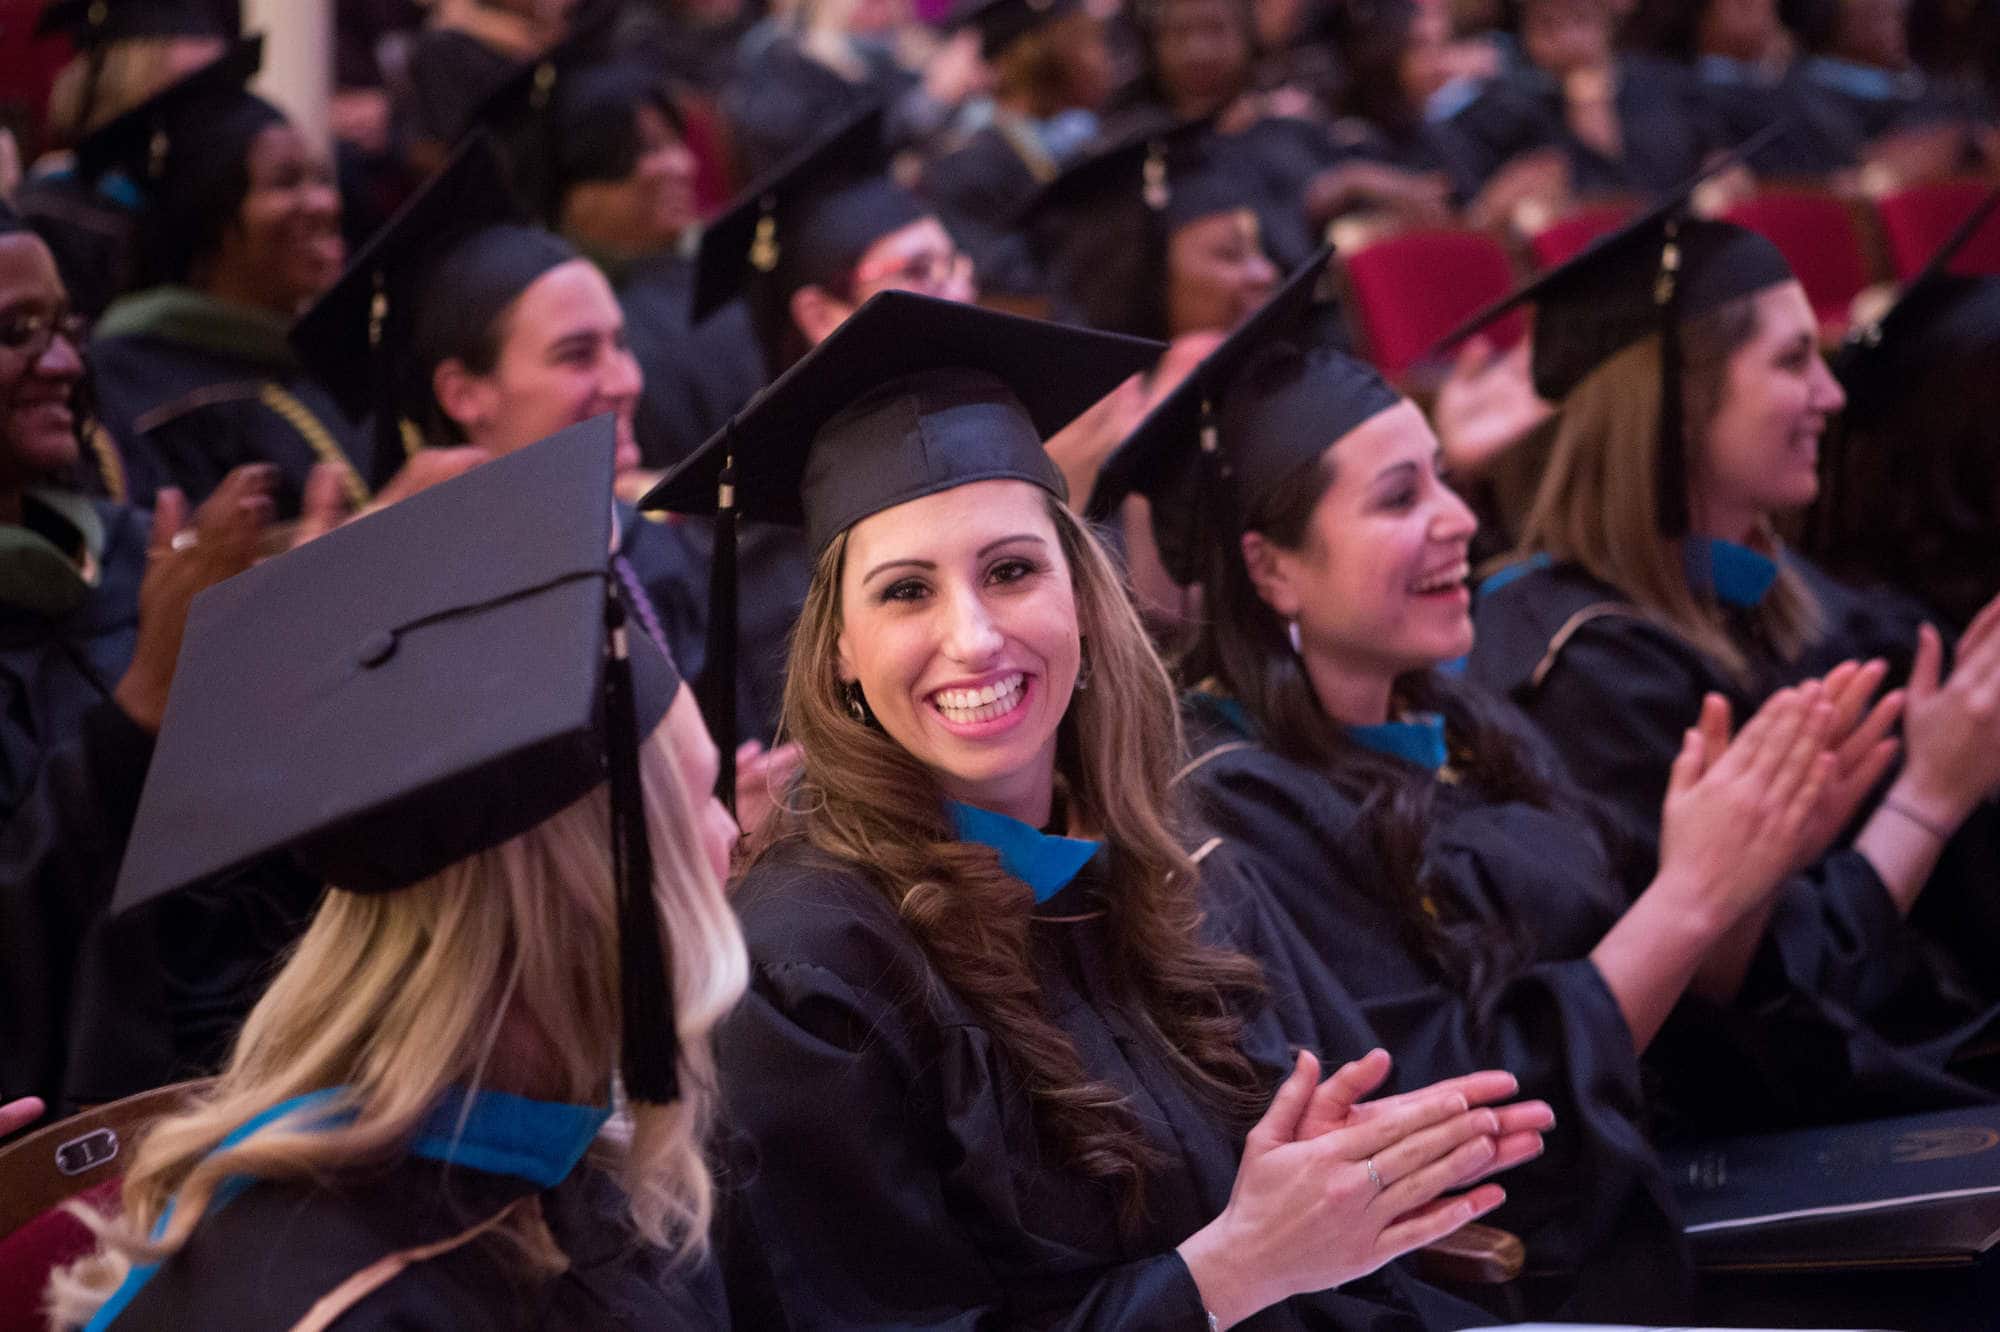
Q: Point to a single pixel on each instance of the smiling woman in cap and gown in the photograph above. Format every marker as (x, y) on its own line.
(1650, 576)
(977, 933)
(1419, 838)
(239, 230)
(413, 1129)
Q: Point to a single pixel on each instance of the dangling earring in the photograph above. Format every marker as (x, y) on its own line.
(857, 706)
(1083, 665)
(1292, 633)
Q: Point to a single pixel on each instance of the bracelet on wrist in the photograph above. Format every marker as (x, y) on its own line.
(1928, 825)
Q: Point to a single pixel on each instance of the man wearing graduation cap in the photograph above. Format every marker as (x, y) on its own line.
(420, 1098)
(1650, 576)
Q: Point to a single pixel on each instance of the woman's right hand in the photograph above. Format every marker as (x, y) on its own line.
(1950, 724)
(182, 558)
(1737, 819)
(1308, 1213)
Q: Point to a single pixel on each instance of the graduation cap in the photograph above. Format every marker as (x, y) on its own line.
(1001, 23)
(190, 123)
(93, 24)
(181, 147)
(1937, 310)
(418, 686)
(1100, 228)
(436, 275)
(805, 222)
(566, 116)
(1648, 277)
(1265, 402)
(910, 396)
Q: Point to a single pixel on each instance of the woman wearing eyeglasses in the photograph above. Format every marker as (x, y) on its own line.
(91, 608)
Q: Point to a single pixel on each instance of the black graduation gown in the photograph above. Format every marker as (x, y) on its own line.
(183, 414)
(1848, 1012)
(1538, 891)
(1665, 133)
(979, 189)
(106, 1009)
(1424, 147)
(71, 766)
(261, 1261)
(696, 378)
(886, 1167)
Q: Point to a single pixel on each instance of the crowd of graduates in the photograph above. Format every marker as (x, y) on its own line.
(787, 669)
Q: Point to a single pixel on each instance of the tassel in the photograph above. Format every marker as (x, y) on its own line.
(650, 1057)
(718, 677)
(1671, 478)
(388, 451)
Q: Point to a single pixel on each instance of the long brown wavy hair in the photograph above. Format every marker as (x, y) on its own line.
(865, 800)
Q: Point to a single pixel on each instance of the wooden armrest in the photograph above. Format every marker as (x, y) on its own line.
(1473, 1255)
(61, 1160)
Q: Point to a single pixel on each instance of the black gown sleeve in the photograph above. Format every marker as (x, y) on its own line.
(59, 853)
(1548, 1018)
(848, 1212)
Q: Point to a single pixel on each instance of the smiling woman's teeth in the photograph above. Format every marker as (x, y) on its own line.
(969, 706)
(1447, 578)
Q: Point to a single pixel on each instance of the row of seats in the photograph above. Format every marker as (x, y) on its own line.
(1409, 289)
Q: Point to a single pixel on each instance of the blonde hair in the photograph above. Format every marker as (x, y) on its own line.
(132, 69)
(399, 997)
(1598, 503)
(864, 799)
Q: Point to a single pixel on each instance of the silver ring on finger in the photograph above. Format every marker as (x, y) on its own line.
(185, 539)
(1375, 1177)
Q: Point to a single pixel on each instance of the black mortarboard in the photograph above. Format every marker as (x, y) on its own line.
(1001, 23)
(1652, 274)
(1265, 402)
(567, 115)
(433, 278)
(807, 221)
(415, 687)
(910, 396)
(1101, 228)
(1938, 310)
(186, 148)
(90, 24)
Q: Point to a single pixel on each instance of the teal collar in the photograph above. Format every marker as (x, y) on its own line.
(1043, 861)
(1420, 740)
(494, 1132)
(503, 1134)
(1739, 576)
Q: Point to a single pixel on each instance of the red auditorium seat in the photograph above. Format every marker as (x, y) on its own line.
(81, 1158)
(1916, 221)
(1565, 237)
(1412, 288)
(1819, 238)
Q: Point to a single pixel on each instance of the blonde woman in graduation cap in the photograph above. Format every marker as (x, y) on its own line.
(416, 1127)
